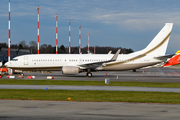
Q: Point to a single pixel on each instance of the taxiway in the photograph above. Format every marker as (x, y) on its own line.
(35, 110)
(166, 75)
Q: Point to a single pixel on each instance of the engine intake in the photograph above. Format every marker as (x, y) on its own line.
(70, 70)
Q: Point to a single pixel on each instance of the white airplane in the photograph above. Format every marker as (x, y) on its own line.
(153, 54)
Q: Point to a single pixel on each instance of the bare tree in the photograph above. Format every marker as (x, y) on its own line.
(49, 49)
(23, 44)
(33, 46)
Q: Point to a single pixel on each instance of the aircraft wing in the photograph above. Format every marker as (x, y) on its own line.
(98, 64)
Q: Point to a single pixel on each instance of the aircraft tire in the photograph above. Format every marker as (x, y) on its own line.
(89, 74)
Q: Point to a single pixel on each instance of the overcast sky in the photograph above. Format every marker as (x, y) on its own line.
(117, 23)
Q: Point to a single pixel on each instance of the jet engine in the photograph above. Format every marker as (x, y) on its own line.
(70, 70)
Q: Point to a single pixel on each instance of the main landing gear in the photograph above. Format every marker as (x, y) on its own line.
(134, 70)
(89, 74)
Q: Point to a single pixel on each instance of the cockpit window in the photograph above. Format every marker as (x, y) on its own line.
(14, 59)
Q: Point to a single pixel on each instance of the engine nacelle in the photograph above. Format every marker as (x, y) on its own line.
(70, 70)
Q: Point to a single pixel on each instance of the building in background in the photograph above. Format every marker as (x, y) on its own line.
(14, 53)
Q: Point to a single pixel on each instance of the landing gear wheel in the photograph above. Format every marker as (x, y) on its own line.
(134, 70)
(89, 74)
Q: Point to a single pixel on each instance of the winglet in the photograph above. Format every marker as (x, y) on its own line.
(110, 52)
(115, 56)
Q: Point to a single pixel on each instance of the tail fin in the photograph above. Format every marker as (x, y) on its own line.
(173, 61)
(158, 45)
(178, 52)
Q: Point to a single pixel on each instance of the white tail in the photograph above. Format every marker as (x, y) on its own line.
(158, 46)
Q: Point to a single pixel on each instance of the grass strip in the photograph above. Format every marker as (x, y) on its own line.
(91, 96)
(87, 83)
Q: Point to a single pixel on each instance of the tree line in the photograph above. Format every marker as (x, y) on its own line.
(49, 49)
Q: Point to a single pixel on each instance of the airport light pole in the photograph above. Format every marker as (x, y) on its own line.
(79, 39)
(94, 49)
(69, 38)
(9, 37)
(88, 43)
(9, 42)
(38, 30)
(56, 34)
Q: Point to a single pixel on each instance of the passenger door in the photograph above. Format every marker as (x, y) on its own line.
(25, 60)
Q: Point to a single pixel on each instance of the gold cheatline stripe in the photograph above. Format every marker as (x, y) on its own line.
(144, 54)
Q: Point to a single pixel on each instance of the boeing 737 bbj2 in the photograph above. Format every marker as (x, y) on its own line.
(153, 54)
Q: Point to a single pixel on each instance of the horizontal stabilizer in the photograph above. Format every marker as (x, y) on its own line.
(164, 57)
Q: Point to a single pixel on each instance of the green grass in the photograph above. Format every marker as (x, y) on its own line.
(89, 83)
(86, 95)
(91, 96)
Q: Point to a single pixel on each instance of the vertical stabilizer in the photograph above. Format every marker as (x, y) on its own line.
(158, 46)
